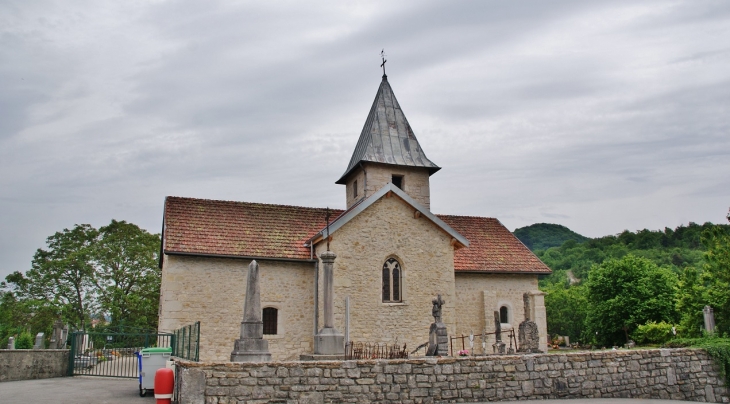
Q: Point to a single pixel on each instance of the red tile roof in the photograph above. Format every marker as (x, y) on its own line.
(492, 247)
(208, 227)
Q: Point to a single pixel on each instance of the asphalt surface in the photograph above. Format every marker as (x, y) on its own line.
(107, 390)
(74, 390)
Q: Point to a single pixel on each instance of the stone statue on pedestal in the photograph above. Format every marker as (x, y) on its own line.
(252, 347)
(438, 338)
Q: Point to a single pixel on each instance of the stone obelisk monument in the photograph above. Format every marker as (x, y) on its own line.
(252, 347)
(329, 340)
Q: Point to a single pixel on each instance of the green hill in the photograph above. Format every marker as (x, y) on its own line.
(541, 236)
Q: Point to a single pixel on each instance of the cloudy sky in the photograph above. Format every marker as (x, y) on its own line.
(601, 116)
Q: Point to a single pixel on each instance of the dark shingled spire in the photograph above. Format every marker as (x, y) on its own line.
(387, 137)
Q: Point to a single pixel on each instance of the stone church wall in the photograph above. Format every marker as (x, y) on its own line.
(389, 228)
(212, 291)
(415, 182)
(678, 374)
(479, 295)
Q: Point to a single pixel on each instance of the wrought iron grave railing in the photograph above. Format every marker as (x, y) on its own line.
(366, 350)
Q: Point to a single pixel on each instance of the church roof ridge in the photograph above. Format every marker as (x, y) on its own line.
(387, 137)
(262, 204)
(467, 216)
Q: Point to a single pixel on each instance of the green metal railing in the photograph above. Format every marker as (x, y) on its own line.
(111, 354)
(186, 342)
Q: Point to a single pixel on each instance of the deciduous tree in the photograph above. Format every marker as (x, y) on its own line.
(63, 274)
(127, 274)
(625, 293)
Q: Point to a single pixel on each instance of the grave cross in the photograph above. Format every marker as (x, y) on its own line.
(327, 219)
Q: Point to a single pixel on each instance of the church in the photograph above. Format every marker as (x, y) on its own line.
(393, 257)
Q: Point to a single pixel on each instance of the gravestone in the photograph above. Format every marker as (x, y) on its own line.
(252, 347)
(57, 338)
(39, 343)
(329, 340)
(528, 335)
(438, 336)
(11, 343)
(498, 346)
(709, 319)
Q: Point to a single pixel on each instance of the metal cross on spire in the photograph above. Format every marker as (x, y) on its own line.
(382, 56)
(327, 219)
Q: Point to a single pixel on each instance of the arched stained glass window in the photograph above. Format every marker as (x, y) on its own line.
(392, 285)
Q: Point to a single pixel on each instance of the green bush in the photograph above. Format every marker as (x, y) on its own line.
(24, 341)
(653, 333)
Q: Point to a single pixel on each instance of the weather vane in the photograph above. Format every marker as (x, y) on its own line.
(382, 56)
(327, 219)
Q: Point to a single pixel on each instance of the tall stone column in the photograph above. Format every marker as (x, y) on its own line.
(252, 347)
(329, 340)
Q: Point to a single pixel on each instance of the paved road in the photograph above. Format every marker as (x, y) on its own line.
(73, 390)
(106, 390)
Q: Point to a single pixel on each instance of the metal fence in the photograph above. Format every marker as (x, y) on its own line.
(111, 354)
(481, 347)
(187, 342)
(365, 350)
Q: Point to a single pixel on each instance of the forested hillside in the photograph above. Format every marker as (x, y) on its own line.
(540, 236)
(606, 290)
(673, 248)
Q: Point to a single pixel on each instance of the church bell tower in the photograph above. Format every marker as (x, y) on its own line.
(387, 152)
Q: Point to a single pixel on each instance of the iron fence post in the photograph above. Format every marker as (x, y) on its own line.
(197, 341)
(71, 355)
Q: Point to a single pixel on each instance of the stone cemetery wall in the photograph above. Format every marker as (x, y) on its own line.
(24, 364)
(681, 374)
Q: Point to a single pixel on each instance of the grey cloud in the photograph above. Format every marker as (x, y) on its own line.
(597, 115)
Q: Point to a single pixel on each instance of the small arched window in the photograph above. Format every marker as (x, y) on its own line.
(271, 316)
(392, 281)
(503, 315)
